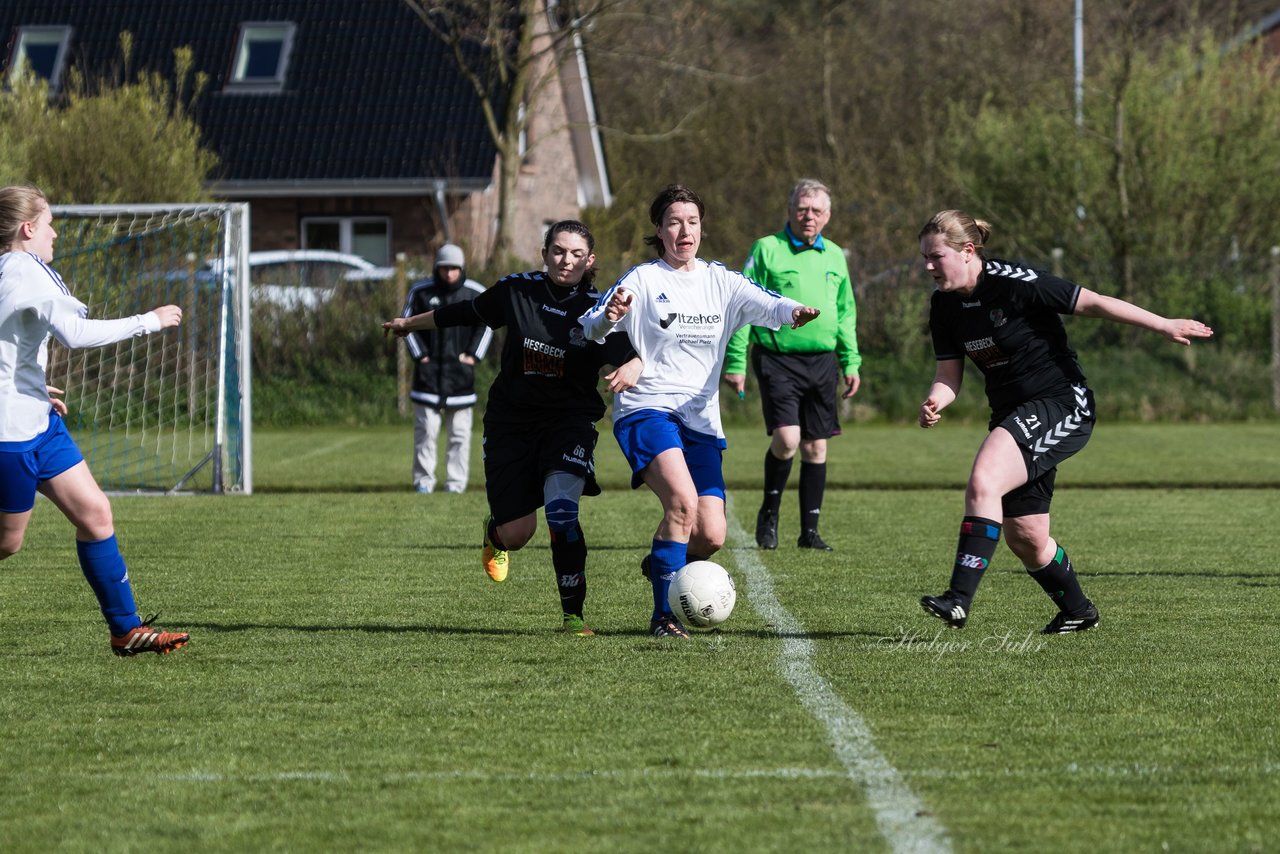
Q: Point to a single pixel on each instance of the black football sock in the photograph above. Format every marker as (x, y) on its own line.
(776, 472)
(569, 558)
(813, 484)
(978, 540)
(1058, 579)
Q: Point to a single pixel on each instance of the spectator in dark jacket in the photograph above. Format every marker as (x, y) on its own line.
(444, 388)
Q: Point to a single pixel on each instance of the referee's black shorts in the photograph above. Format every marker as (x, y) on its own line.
(1048, 431)
(517, 461)
(798, 389)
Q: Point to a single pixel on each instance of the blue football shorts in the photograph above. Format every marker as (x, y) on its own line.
(26, 465)
(645, 434)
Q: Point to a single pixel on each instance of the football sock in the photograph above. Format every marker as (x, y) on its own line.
(776, 472)
(569, 558)
(104, 568)
(813, 483)
(666, 560)
(1058, 579)
(978, 540)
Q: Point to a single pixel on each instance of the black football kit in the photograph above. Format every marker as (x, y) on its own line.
(544, 403)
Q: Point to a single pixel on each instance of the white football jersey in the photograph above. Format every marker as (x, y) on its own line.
(679, 324)
(35, 303)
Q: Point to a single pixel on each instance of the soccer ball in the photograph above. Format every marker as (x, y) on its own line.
(702, 594)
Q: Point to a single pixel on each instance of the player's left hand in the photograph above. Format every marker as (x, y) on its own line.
(852, 382)
(803, 315)
(170, 315)
(625, 376)
(59, 406)
(397, 327)
(1181, 331)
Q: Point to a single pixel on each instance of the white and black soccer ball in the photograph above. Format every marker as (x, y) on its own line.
(702, 594)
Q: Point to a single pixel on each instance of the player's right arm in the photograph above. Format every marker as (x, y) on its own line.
(402, 326)
(609, 311)
(946, 385)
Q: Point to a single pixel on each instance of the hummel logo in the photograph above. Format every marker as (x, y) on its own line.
(1082, 399)
(1008, 270)
(1059, 432)
(662, 298)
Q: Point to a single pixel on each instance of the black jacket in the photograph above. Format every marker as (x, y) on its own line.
(444, 382)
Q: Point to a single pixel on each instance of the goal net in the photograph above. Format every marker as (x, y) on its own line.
(169, 412)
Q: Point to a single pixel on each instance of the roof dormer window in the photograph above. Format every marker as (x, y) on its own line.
(43, 50)
(262, 56)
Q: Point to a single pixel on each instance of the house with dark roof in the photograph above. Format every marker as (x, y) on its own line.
(345, 125)
(1266, 29)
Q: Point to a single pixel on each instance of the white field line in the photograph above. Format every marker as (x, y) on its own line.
(1070, 769)
(483, 776)
(315, 452)
(900, 815)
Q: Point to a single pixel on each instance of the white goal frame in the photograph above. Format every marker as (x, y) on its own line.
(169, 413)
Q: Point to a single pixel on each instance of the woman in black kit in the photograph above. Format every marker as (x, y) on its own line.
(539, 424)
(1005, 317)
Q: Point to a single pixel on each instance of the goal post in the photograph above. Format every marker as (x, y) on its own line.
(169, 412)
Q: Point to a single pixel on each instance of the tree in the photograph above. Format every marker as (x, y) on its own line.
(105, 141)
(1172, 167)
(506, 50)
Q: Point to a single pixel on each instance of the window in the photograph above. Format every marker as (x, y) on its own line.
(262, 56)
(43, 50)
(366, 236)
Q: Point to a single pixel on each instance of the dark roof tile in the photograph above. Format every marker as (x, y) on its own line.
(370, 94)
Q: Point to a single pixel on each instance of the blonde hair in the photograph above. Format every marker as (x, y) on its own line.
(18, 205)
(958, 228)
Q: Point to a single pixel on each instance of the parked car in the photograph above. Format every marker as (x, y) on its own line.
(294, 278)
(306, 278)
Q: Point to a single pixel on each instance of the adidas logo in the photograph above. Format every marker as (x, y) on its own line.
(662, 297)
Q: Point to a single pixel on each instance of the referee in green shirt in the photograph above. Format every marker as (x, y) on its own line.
(799, 370)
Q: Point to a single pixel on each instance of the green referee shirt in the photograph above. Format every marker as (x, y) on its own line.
(817, 276)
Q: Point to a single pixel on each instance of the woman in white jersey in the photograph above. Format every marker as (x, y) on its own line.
(679, 312)
(37, 454)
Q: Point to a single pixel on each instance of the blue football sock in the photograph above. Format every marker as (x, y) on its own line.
(106, 573)
(668, 558)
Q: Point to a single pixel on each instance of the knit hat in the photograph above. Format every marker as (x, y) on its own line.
(450, 255)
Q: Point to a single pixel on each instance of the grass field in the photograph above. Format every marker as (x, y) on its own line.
(354, 682)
